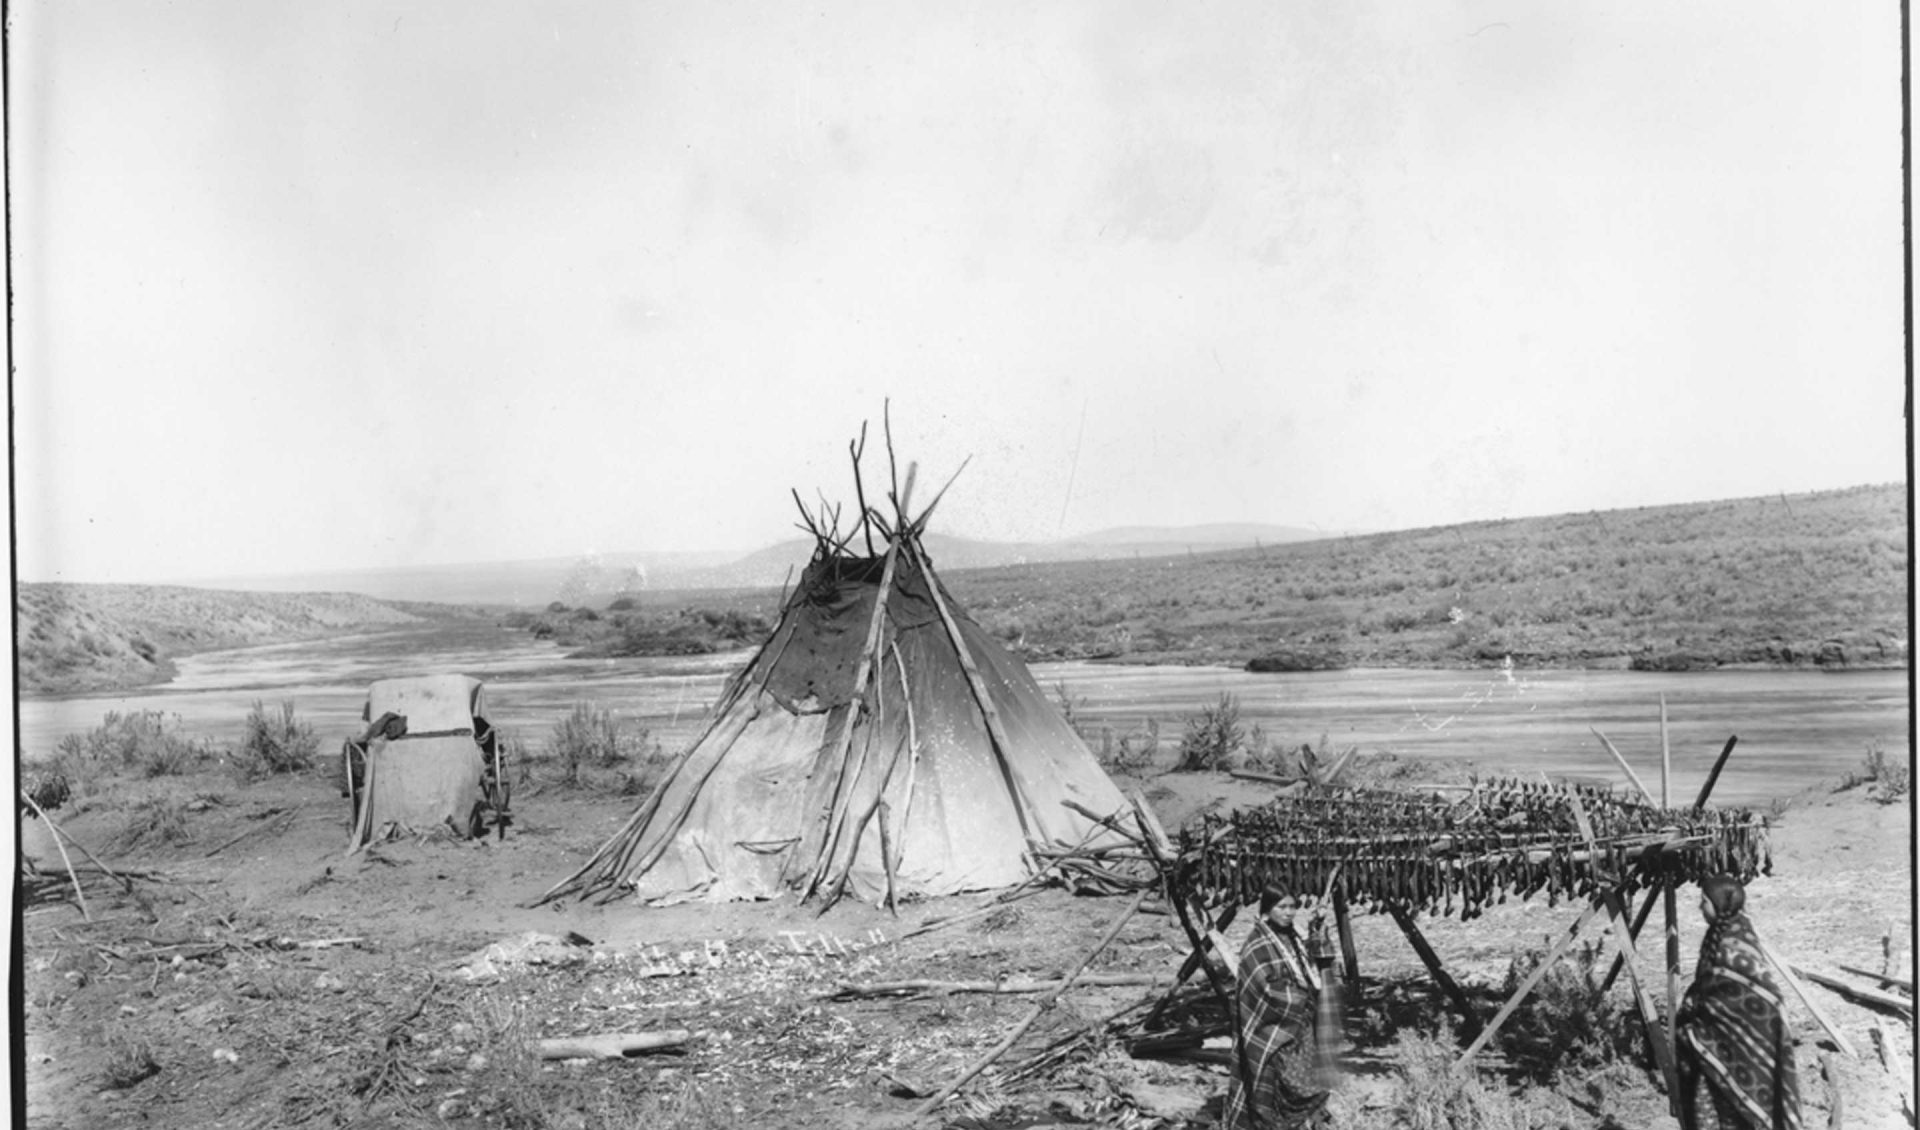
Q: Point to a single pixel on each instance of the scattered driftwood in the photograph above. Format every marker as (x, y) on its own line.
(917, 988)
(612, 1045)
(1859, 994)
(1039, 1008)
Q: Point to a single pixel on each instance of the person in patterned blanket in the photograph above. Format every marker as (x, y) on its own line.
(1279, 1080)
(1736, 1058)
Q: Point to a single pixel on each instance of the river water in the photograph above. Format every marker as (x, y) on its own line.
(1796, 728)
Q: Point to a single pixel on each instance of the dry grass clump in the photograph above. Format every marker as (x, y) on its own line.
(274, 742)
(129, 1060)
(153, 821)
(1428, 1094)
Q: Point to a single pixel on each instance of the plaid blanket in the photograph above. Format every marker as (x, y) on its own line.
(1734, 1049)
(1277, 1084)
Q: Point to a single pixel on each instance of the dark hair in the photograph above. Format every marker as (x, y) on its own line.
(1726, 894)
(1270, 896)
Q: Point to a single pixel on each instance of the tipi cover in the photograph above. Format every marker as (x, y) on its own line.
(879, 744)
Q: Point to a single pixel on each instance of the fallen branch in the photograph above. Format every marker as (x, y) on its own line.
(1039, 1008)
(613, 1045)
(1859, 994)
(977, 912)
(60, 841)
(281, 817)
(915, 988)
(1884, 978)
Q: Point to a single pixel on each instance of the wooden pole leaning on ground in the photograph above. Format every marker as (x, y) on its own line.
(1659, 1039)
(1520, 994)
(1038, 1009)
(60, 842)
(1431, 960)
(1785, 970)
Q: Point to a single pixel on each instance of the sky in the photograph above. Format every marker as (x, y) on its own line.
(308, 286)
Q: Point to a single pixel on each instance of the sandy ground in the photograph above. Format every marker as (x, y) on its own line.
(208, 974)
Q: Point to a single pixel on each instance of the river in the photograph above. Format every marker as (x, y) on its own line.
(1797, 729)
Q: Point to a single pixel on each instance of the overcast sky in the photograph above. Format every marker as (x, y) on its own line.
(323, 285)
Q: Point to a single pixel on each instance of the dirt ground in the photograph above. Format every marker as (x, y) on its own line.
(257, 976)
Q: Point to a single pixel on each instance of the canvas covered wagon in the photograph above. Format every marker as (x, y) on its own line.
(428, 761)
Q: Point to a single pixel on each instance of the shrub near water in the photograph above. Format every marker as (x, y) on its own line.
(145, 742)
(1212, 737)
(275, 742)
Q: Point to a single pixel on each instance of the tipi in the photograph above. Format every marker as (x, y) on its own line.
(879, 744)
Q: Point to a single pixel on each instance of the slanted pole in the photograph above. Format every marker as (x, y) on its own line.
(1435, 970)
(996, 734)
(1668, 900)
(1344, 920)
(1706, 790)
(1520, 994)
(1631, 775)
(1663, 1052)
(1661, 1040)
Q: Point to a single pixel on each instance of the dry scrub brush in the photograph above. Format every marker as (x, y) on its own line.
(143, 742)
(274, 742)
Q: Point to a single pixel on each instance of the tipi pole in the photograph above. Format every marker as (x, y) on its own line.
(1001, 747)
(742, 719)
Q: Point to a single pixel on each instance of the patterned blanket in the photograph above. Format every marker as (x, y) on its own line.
(1277, 1083)
(1735, 1053)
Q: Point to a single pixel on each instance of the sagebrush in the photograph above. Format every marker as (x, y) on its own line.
(1212, 737)
(274, 741)
(144, 742)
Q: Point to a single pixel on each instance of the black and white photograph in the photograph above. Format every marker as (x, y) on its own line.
(990, 565)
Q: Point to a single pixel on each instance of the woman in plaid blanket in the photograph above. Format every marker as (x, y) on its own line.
(1736, 1059)
(1279, 1080)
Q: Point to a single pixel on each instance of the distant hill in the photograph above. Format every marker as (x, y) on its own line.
(1815, 579)
(531, 582)
(1787, 580)
(72, 638)
(598, 578)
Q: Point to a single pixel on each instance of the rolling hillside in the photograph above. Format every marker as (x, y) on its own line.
(1796, 580)
(600, 577)
(71, 638)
